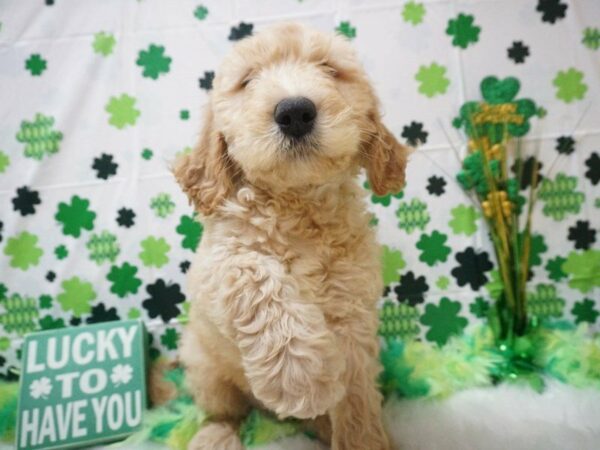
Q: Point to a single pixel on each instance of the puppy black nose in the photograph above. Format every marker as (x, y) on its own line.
(295, 116)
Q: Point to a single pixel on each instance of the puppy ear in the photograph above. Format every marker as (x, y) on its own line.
(384, 158)
(205, 174)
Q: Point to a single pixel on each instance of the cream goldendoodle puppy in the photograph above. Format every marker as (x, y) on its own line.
(285, 282)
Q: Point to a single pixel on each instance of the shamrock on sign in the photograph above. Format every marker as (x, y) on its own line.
(121, 374)
(40, 388)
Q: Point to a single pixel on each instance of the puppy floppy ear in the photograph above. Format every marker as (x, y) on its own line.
(206, 174)
(384, 158)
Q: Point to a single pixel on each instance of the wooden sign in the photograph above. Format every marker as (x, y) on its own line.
(82, 385)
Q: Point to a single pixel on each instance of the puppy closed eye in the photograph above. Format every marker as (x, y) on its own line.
(329, 69)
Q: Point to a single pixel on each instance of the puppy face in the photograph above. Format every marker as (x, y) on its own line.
(290, 107)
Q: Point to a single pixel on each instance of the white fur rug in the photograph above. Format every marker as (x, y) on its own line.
(506, 417)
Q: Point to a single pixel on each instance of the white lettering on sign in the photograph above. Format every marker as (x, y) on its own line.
(53, 361)
(88, 386)
(32, 365)
(80, 387)
(78, 356)
(99, 404)
(66, 382)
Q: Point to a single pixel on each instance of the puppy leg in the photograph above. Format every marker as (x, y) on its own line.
(224, 403)
(290, 357)
(356, 420)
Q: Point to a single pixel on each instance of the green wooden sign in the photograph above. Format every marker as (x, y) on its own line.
(82, 385)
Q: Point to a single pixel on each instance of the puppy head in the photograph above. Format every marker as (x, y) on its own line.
(290, 107)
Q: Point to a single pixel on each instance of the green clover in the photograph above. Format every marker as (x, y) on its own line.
(443, 320)
(554, 268)
(398, 321)
(103, 247)
(591, 38)
(412, 215)
(147, 154)
(4, 161)
(154, 252)
(464, 220)
(384, 200)
(560, 196)
(491, 118)
(20, 314)
(162, 204)
(346, 29)
(123, 280)
(537, 246)
(76, 296)
(201, 12)
(583, 269)
(585, 311)
(443, 282)
(39, 137)
(36, 65)
(463, 30)
(75, 216)
(23, 251)
(391, 262)
(61, 252)
(134, 313)
(432, 80)
(154, 61)
(122, 111)
(45, 301)
(569, 85)
(413, 12)
(170, 338)
(480, 307)
(433, 248)
(191, 230)
(544, 302)
(104, 43)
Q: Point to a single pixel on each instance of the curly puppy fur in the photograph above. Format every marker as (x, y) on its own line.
(284, 285)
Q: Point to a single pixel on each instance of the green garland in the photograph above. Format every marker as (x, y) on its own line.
(412, 369)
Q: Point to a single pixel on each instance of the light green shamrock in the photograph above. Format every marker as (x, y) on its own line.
(76, 296)
(443, 282)
(398, 321)
(122, 111)
(412, 215)
(413, 12)
(104, 43)
(39, 137)
(443, 320)
(495, 285)
(154, 252)
(103, 247)
(134, 313)
(569, 85)
(464, 220)
(544, 302)
(392, 261)
(583, 269)
(432, 80)
(591, 38)
(23, 251)
(560, 197)
(4, 161)
(162, 204)
(20, 314)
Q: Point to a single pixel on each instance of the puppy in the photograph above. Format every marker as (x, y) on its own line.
(284, 284)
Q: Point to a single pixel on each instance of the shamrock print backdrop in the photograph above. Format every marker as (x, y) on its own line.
(99, 97)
